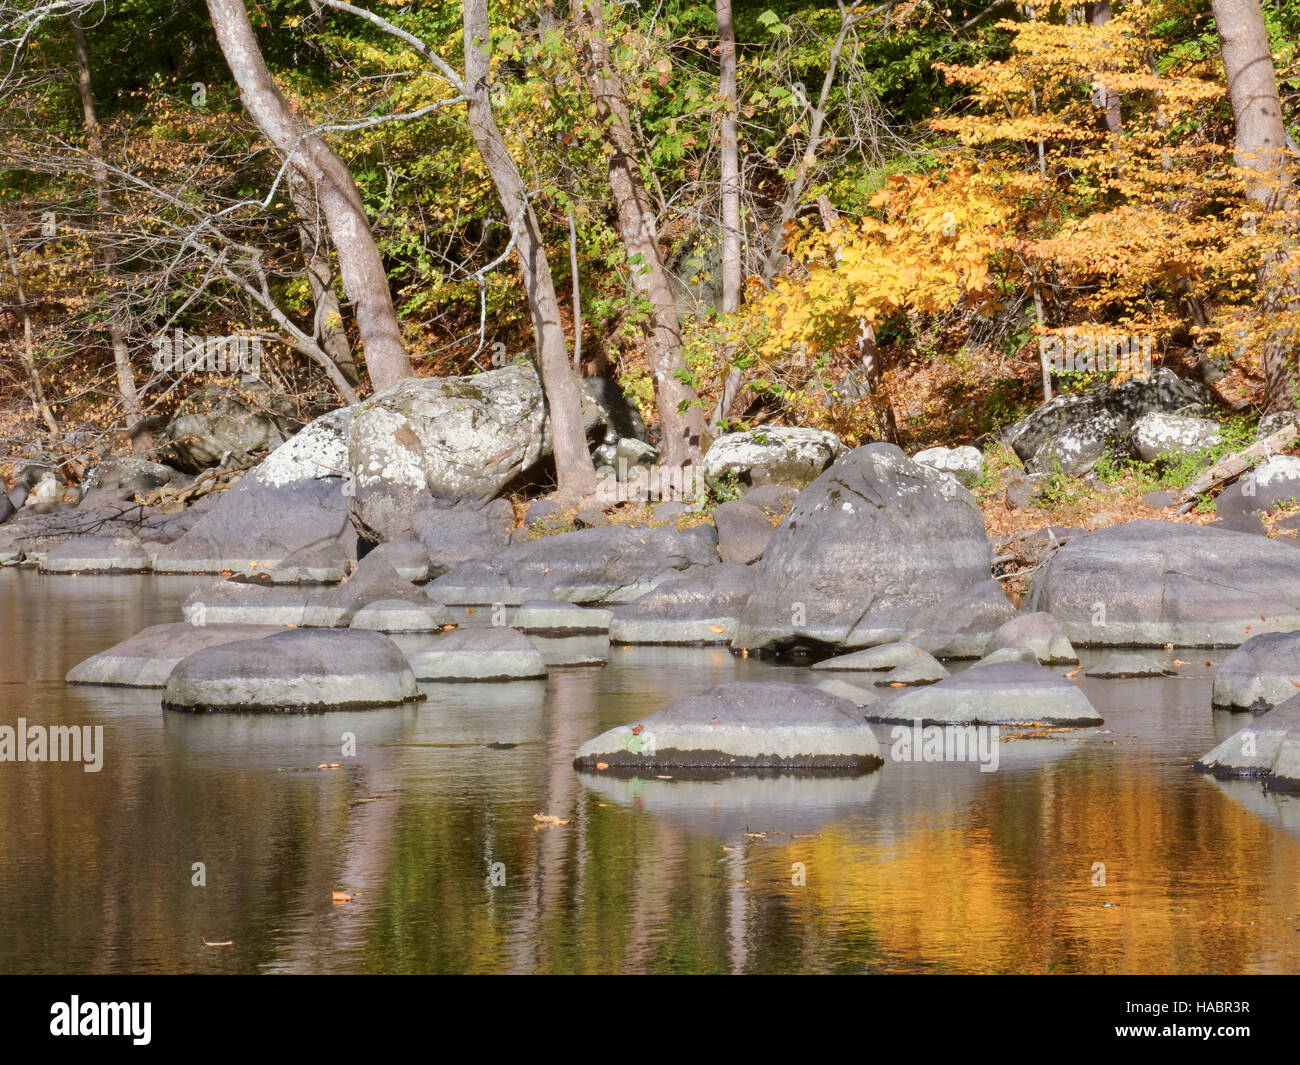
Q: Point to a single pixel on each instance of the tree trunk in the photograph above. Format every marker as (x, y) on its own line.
(575, 472)
(328, 327)
(1099, 14)
(680, 416)
(36, 390)
(362, 267)
(730, 189)
(132, 411)
(1261, 148)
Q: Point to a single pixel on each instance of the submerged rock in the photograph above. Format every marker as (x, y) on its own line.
(147, 658)
(541, 617)
(1115, 667)
(1007, 693)
(742, 725)
(300, 670)
(1261, 673)
(1267, 749)
(1151, 583)
(497, 653)
(398, 615)
(97, 554)
(874, 539)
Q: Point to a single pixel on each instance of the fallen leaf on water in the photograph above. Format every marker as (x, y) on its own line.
(340, 897)
(756, 835)
(548, 819)
(372, 798)
(602, 765)
(637, 730)
(1074, 671)
(716, 628)
(897, 684)
(661, 776)
(216, 943)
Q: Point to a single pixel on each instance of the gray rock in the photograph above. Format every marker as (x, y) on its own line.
(408, 558)
(7, 509)
(769, 725)
(1270, 485)
(123, 478)
(543, 617)
(477, 655)
(920, 669)
(1261, 673)
(225, 425)
(1161, 435)
(1023, 489)
(699, 610)
(1040, 633)
(772, 455)
(398, 615)
(885, 656)
(873, 540)
(540, 510)
(451, 439)
(236, 603)
(373, 581)
(294, 500)
(775, 499)
(1007, 693)
(842, 689)
(670, 510)
(1159, 500)
(590, 518)
(455, 533)
(965, 463)
(147, 659)
(97, 554)
(1151, 583)
(573, 652)
(297, 671)
(1243, 523)
(743, 531)
(611, 565)
(1273, 423)
(1008, 654)
(1071, 432)
(962, 626)
(1118, 666)
(323, 564)
(1267, 749)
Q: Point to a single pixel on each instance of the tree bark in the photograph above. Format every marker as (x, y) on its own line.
(133, 413)
(1261, 148)
(362, 267)
(730, 188)
(328, 327)
(1099, 14)
(681, 418)
(575, 472)
(36, 390)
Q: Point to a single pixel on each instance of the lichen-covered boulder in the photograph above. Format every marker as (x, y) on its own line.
(771, 455)
(965, 463)
(1159, 434)
(220, 423)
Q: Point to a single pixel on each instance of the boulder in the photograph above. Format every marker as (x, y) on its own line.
(1271, 484)
(742, 725)
(771, 455)
(300, 670)
(147, 659)
(1007, 693)
(1008, 654)
(1071, 432)
(457, 532)
(97, 554)
(494, 653)
(544, 617)
(295, 500)
(1261, 673)
(123, 478)
(7, 508)
(1119, 667)
(774, 499)
(238, 603)
(691, 611)
(372, 581)
(1162, 435)
(965, 463)
(1267, 749)
(1040, 633)
(609, 565)
(743, 531)
(883, 657)
(921, 668)
(447, 439)
(321, 564)
(397, 615)
(1151, 583)
(408, 558)
(842, 689)
(873, 540)
(224, 425)
(961, 627)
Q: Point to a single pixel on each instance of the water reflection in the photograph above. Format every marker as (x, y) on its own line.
(430, 829)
